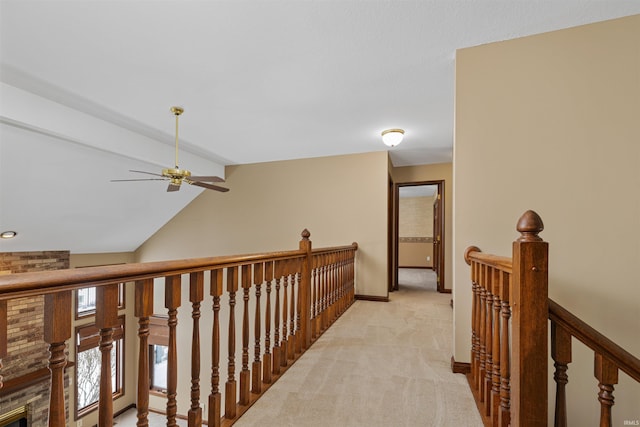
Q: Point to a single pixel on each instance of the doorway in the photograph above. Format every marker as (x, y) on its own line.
(417, 234)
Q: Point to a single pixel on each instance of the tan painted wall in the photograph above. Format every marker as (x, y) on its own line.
(434, 172)
(339, 199)
(412, 254)
(131, 334)
(551, 123)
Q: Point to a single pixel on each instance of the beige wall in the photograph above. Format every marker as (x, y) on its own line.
(131, 334)
(434, 172)
(339, 199)
(551, 123)
(415, 254)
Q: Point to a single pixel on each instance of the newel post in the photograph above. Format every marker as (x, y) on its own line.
(530, 305)
(3, 334)
(305, 290)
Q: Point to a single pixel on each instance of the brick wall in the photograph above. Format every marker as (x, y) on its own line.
(27, 351)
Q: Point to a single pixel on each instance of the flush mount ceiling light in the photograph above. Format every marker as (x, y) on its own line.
(392, 137)
(8, 234)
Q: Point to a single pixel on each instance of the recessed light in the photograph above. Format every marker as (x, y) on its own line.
(8, 234)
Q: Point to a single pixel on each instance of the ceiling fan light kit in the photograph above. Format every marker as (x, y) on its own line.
(175, 175)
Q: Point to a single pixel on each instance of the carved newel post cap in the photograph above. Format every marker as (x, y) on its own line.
(529, 225)
(305, 234)
(355, 245)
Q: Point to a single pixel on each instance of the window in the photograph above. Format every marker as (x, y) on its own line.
(159, 356)
(88, 364)
(158, 353)
(86, 301)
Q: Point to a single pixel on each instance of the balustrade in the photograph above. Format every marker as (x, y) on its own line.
(293, 297)
(510, 313)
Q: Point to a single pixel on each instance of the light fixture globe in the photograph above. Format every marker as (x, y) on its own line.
(8, 234)
(392, 137)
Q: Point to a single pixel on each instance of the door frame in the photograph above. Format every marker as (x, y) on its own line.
(393, 248)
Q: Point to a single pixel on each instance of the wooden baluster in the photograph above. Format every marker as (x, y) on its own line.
(495, 384)
(291, 351)
(474, 320)
(106, 320)
(284, 343)
(276, 321)
(483, 333)
(3, 335)
(57, 329)
(334, 286)
(172, 288)
(530, 317)
(256, 368)
(215, 398)
(606, 372)
(325, 293)
(267, 359)
(300, 332)
(318, 297)
(143, 310)
(505, 358)
(561, 354)
(230, 387)
(245, 374)
(196, 295)
(305, 291)
(488, 342)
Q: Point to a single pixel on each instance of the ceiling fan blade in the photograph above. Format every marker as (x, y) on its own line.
(206, 178)
(173, 187)
(209, 186)
(148, 173)
(144, 179)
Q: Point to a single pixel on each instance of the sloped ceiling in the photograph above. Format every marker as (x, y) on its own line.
(86, 89)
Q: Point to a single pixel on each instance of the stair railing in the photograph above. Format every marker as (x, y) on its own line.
(509, 333)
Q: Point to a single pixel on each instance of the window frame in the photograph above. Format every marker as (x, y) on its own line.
(158, 335)
(87, 337)
(89, 313)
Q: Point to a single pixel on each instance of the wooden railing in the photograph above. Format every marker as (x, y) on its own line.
(509, 352)
(287, 300)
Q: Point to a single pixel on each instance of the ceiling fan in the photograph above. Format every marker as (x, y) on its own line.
(177, 176)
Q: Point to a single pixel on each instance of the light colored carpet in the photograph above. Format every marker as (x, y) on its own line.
(380, 364)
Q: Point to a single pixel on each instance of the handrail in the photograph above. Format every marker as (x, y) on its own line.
(44, 282)
(595, 340)
(501, 263)
(283, 287)
(352, 246)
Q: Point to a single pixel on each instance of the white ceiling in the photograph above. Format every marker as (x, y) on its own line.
(87, 86)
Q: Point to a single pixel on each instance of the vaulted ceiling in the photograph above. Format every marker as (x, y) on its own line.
(86, 89)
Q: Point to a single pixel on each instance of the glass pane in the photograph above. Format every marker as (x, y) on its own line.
(160, 356)
(88, 377)
(86, 300)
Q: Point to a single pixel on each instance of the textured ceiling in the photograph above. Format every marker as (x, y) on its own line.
(87, 86)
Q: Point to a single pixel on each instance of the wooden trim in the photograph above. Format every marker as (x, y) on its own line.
(416, 266)
(460, 367)
(27, 380)
(371, 298)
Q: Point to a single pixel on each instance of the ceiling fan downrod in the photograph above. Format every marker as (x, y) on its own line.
(177, 111)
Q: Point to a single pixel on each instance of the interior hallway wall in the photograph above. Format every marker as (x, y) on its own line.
(550, 123)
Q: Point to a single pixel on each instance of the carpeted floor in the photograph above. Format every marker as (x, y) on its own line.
(380, 364)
